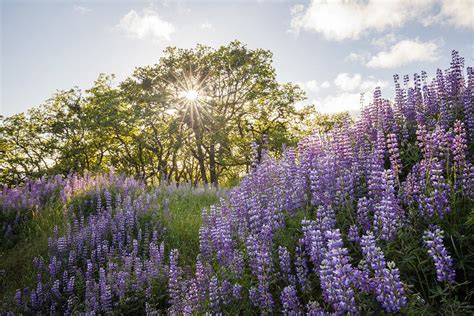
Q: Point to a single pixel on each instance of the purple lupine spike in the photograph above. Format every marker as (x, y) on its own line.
(173, 282)
(62, 244)
(353, 233)
(56, 289)
(99, 202)
(459, 148)
(70, 285)
(394, 155)
(253, 296)
(433, 240)
(386, 284)
(108, 200)
(301, 269)
(105, 292)
(18, 298)
(434, 198)
(314, 309)
(214, 297)
(238, 265)
(285, 263)
(237, 292)
(336, 275)
(53, 267)
(225, 292)
(192, 298)
(364, 214)
(34, 300)
(289, 301)
(314, 241)
(388, 214)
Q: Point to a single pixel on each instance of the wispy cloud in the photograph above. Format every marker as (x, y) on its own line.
(147, 24)
(405, 52)
(339, 102)
(347, 93)
(206, 26)
(352, 82)
(357, 57)
(81, 9)
(325, 85)
(459, 13)
(313, 85)
(385, 41)
(340, 20)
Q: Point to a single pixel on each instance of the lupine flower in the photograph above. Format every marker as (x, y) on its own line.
(214, 296)
(225, 292)
(237, 292)
(253, 296)
(18, 298)
(314, 241)
(353, 234)
(285, 263)
(394, 155)
(314, 309)
(459, 147)
(433, 240)
(433, 200)
(301, 269)
(388, 214)
(336, 275)
(289, 300)
(386, 283)
(364, 218)
(174, 279)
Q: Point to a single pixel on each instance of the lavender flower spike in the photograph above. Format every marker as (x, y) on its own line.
(433, 239)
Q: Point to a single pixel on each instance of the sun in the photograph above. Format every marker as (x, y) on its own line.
(190, 95)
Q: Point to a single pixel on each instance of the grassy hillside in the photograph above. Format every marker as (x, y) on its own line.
(176, 209)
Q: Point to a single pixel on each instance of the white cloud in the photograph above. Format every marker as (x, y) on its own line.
(385, 41)
(207, 26)
(81, 10)
(347, 95)
(340, 20)
(459, 13)
(339, 103)
(369, 85)
(325, 85)
(357, 57)
(310, 86)
(347, 82)
(147, 24)
(313, 86)
(405, 52)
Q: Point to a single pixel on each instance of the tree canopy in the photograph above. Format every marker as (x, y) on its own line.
(192, 117)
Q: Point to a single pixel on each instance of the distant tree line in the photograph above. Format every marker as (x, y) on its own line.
(190, 118)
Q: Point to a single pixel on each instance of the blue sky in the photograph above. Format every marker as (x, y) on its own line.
(333, 50)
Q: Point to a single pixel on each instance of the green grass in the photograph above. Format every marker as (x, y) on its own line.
(16, 264)
(183, 220)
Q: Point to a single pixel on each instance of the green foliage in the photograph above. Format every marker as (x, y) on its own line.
(16, 269)
(144, 126)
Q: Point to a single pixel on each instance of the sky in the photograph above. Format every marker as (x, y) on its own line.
(334, 50)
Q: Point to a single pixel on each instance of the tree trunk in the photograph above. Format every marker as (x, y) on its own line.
(212, 166)
(200, 158)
